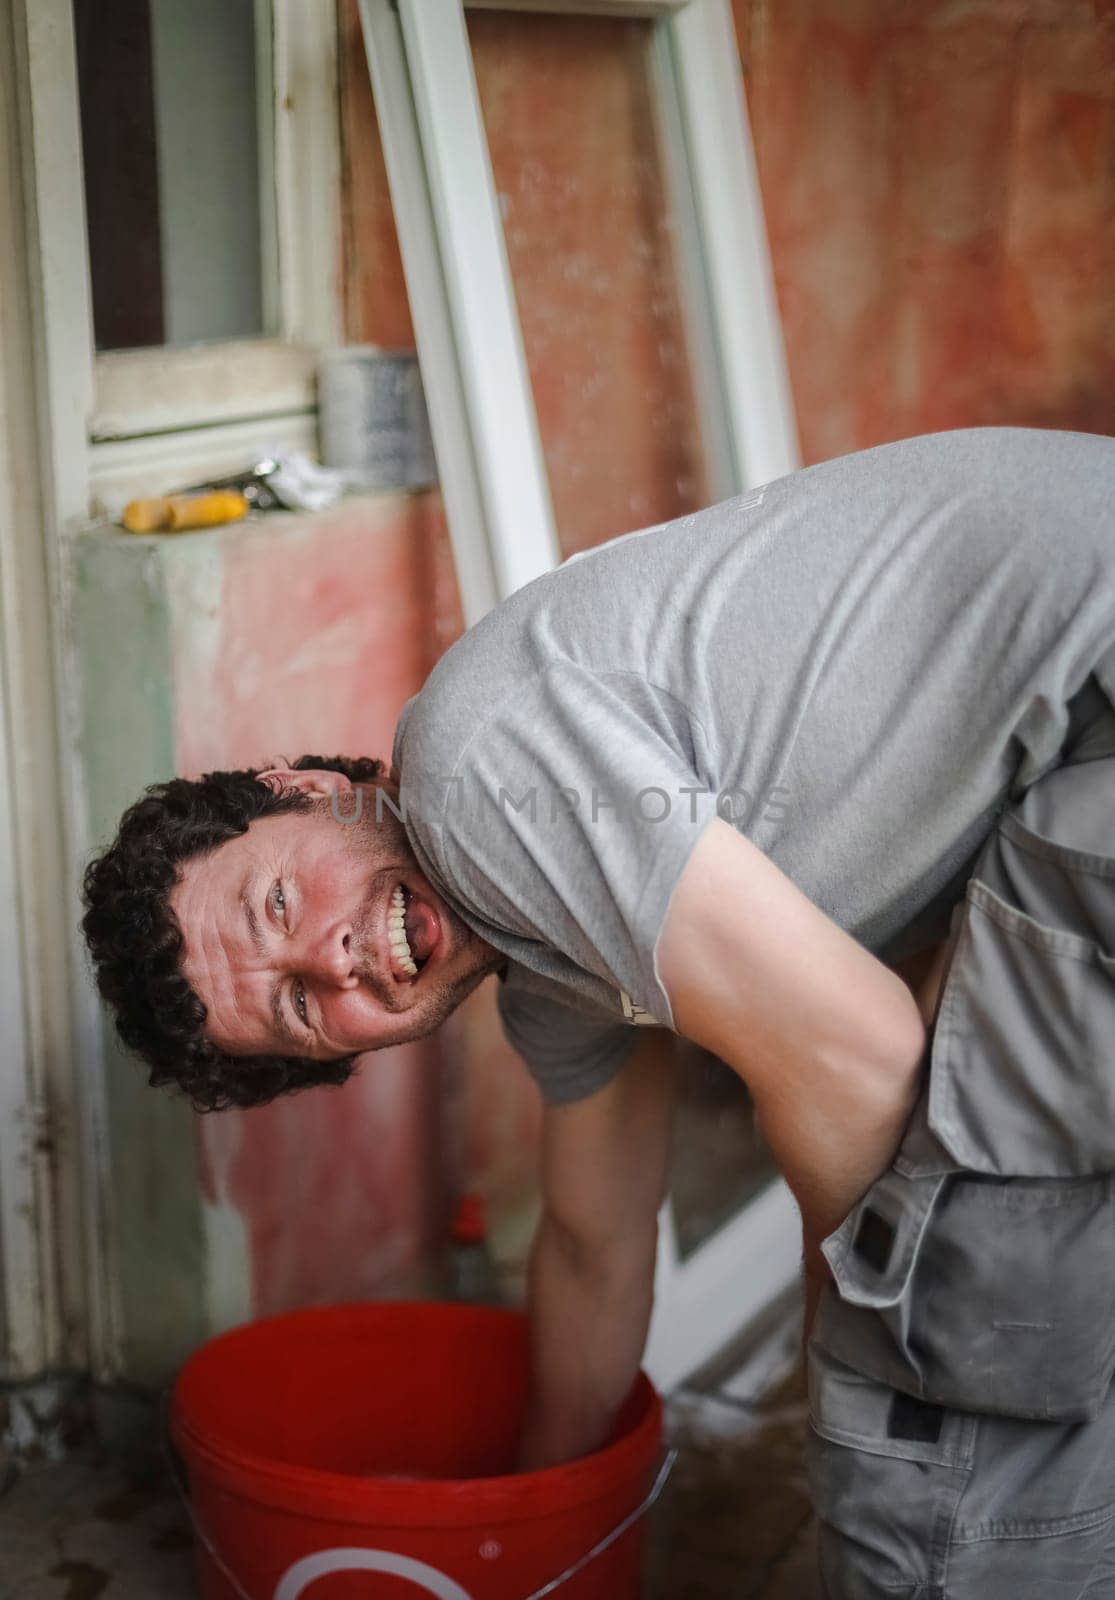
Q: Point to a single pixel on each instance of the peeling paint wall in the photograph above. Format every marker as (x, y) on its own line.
(939, 183)
(939, 188)
(313, 647)
(223, 649)
(121, 640)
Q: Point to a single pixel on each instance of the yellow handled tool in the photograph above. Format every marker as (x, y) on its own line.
(175, 512)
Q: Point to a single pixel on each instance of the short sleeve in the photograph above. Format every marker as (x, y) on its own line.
(568, 1052)
(571, 816)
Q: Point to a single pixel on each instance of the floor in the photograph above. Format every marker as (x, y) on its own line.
(732, 1523)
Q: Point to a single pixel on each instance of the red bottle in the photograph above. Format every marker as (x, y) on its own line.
(471, 1273)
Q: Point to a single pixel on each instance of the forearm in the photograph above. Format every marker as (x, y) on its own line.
(827, 1038)
(588, 1326)
(833, 1141)
(925, 977)
(829, 1170)
(831, 1152)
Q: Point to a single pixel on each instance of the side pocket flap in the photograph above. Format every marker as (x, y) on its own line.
(873, 1252)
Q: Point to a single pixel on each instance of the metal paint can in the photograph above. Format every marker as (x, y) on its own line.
(372, 418)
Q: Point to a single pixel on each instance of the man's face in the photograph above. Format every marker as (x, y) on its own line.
(293, 940)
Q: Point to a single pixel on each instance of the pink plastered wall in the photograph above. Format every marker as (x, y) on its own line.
(307, 635)
(939, 186)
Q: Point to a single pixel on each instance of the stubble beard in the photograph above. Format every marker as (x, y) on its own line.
(376, 841)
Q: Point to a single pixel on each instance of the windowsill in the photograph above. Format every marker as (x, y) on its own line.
(259, 524)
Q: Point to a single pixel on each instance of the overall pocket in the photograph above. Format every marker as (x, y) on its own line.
(983, 1262)
(1022, 1063)
(885, 1475)
(979, 1293)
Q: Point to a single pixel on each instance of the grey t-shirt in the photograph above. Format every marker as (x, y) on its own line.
(858, 665)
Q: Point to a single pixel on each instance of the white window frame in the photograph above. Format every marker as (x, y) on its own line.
(56, 1292)
(158, 416)
(79, 437)
(24, 1284)
(486, 434)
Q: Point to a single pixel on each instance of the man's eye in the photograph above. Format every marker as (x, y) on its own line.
(298, 993)
(278, 899)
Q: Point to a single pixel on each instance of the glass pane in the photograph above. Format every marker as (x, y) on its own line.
(719, 1160)
(571, 127)
(171, 139)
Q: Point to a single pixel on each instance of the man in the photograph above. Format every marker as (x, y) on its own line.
(720, 777)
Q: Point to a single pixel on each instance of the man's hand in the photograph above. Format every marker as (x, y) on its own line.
(828, 1039)
(605, 1162)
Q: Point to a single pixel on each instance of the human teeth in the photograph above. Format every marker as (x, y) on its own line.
(396, 933)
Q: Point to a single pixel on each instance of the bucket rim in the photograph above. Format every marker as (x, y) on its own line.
(337, 1496)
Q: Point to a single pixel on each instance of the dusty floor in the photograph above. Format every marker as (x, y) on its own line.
(733, 1522)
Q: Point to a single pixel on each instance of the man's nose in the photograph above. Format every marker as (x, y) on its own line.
(330, 958)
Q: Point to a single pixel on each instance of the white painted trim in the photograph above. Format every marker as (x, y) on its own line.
(510, 465)
(718, 452)
(263, 16)
(66, 1044)
(308, 170)
(438, 163)
(26, 1266)
(704, 1302)
(729, 209)
(58, 249)
(23, 1336)
(450, 421)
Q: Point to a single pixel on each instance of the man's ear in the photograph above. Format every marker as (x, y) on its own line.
(314, 781)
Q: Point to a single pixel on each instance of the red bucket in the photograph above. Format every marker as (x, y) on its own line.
(300, 1433)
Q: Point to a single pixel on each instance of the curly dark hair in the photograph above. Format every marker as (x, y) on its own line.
(136, 942)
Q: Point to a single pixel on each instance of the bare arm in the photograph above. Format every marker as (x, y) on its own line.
(827, 1038)
(591, 1276)
(924, 976)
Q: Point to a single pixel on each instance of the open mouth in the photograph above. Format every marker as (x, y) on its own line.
(413, 933)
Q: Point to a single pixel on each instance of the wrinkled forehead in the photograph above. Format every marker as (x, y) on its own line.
(219, 960)
(290, 831)
(205, 897)
(213, 886)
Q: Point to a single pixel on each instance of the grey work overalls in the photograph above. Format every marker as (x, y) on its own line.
(962, 1439)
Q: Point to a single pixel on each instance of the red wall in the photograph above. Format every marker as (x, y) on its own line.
(939, 183)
